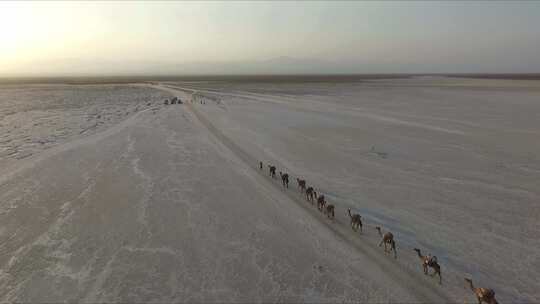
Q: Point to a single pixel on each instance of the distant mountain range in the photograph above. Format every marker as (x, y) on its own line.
(283, 65)
(278, 65)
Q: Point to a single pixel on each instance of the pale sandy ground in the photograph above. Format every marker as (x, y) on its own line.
(454, 170)
(157, 209)
(167, 205)
(34, 118)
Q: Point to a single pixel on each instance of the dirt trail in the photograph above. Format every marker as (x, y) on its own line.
(366, 243)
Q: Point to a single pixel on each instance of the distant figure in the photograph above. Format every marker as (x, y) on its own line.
(429, 261)
(260, 165)
(356, 221)
(284, 179)
(309, 194)
(301, 184)
(321, 202)
(387, 239)
(485, 295)
(166, 101)
(330, 211)
(272, 171)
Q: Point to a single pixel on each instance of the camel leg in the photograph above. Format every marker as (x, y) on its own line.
(437, 271)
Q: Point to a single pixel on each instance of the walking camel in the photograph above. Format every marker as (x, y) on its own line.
(301, 184)
(356, 221)
(321, 202)
(284, 179)
(484, 295)
(272, 171)
(309, 194)
(387, 239)
(329, 210)
(429, 261)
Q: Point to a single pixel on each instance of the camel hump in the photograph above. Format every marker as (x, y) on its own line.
(487, 291)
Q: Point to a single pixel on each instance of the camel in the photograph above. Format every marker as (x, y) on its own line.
(330, 211)
(429, 261)
(485, 295)
(284, 179)
(356, 221)
(387, 239)
(301, 184)
(272, 171)
(309, 194)
(321, 202)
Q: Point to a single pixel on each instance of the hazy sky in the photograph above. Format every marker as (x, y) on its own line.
(236, 37)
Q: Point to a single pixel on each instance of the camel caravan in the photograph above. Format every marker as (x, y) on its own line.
(483, 295)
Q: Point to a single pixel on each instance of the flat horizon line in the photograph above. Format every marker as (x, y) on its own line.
(326, 77)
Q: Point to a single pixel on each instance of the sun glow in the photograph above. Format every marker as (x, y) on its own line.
(30, 32)
(13, 28)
